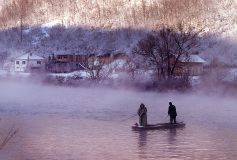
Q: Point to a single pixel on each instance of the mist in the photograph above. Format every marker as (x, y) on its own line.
(67, 116)
(63, 122)
(103, 104)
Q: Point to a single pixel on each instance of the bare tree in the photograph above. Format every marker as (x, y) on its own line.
(184, 42)
(98, 72)
(162, 49)
(157, 48)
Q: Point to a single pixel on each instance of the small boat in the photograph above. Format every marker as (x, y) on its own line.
(158, 126)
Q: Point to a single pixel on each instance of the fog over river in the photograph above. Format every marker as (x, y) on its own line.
(66, 123)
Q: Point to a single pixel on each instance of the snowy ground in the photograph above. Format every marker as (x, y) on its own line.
(230, 75)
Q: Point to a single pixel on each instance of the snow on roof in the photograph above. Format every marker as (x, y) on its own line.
(80, 54)
(191, 58)
(29, 56)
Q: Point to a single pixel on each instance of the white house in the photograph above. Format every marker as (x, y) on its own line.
(29, 63)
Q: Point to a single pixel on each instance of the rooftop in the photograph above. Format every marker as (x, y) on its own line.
(191, 58)
(29, 56)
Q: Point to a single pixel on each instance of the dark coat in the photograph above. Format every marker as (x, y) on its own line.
(142, 116)
(172, 111)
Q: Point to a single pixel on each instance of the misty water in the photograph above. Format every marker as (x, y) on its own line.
(67, 123)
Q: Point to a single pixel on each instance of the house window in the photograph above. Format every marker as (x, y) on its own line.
(17, 62)
(38, 62)
(65, 57)
(23, 62)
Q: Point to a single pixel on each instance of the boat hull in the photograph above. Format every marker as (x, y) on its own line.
(159, 126)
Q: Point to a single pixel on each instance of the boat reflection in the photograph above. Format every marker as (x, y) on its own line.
(141, 136)
(142, 139)
(172, 136)
(159, 141)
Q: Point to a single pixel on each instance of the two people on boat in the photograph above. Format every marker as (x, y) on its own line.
(142, 113)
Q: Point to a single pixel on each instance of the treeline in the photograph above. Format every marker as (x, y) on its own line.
(148, 53)
(108, 14)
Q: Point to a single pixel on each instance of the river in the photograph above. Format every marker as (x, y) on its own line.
(66, 123)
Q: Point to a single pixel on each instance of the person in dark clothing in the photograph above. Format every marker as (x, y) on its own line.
(172, 112)
(142, 115)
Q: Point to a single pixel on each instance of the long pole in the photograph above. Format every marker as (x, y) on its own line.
(166, 117)
(10, 134)
(129, 118)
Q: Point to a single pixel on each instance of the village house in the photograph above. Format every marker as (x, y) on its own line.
(105, 58)
(29, 63)
(98, 61)
(191, 65)
(67, 63)
(121, 56)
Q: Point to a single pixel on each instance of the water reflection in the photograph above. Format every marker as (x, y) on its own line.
(142, 140)
(77, 123)
(172, 136)
(142, 144)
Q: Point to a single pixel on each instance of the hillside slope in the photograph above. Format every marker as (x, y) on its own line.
(114, 26)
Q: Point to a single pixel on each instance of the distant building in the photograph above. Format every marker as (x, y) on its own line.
(108, 58)
(105, 58)
(97, 61)
(191, 65)
(68, 63)
(29, 63)
(65, 63)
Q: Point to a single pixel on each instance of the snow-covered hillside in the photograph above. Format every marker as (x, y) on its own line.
(99, 27)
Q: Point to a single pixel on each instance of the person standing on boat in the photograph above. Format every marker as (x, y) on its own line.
(142, 115)
(172, 112)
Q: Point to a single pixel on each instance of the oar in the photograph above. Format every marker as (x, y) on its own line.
(129, 118)
(166, 117)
